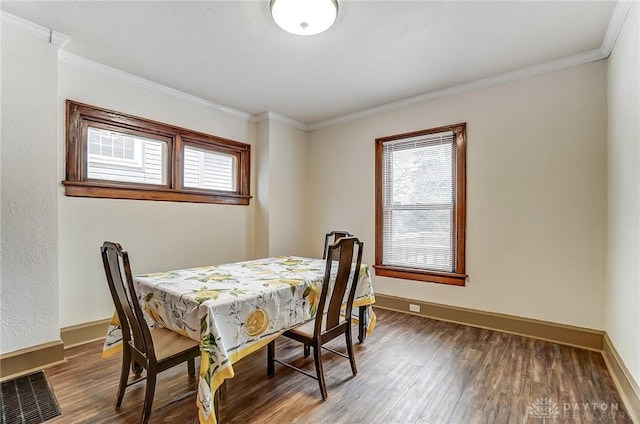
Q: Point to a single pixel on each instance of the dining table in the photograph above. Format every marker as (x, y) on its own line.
(235, 309)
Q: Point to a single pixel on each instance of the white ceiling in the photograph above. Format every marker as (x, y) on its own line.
(231, 52)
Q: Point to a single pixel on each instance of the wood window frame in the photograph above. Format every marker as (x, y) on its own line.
(79, 116)
(458, 276)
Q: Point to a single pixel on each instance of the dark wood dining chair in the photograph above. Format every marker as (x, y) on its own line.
(345, 255)
(154, 350)
(331, 238)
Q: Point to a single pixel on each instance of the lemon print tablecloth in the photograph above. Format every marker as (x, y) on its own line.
(234, 310)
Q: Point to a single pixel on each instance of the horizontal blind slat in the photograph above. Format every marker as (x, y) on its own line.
(418, 202)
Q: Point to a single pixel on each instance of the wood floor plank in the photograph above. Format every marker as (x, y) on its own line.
(413, 370)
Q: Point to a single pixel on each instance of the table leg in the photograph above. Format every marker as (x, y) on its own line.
(216, 404)
(362, 323)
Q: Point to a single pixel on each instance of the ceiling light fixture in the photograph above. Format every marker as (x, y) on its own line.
(304, 17)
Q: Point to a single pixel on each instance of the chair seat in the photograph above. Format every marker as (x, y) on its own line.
(168, 343)
(306, 329)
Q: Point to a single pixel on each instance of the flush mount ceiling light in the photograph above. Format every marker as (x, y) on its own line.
(304, 17)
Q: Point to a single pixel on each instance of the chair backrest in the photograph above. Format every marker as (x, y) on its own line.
(331, 238)
(345, 255)
(132, 322)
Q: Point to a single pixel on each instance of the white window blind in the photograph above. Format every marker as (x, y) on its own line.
(209, 170)
(115, 156)
(418, 202)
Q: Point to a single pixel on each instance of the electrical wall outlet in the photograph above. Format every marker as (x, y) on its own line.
(414, 308)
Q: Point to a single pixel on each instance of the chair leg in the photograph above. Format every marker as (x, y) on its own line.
(352, 357)
(136, 368)
(362, 324)
(317, 356)
(307, 350)
(271, 353)
(149, 392)
(191, 367)
(124, 375)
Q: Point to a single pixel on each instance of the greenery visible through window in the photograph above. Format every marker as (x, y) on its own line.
(420, 205)
(114, 155)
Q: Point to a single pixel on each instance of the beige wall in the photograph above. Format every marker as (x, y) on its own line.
(536, 210)
(29, 240)
(623, 270)
(158, 235)
(261, 200)
(288, 189)
(281, 216)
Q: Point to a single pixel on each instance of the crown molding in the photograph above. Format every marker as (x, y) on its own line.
(615, 26)
(99, 68)
(261, 117)
(554, 65)
(58, 39)
(26, 27)
(616, 22)
(40, 32)
(272, 116)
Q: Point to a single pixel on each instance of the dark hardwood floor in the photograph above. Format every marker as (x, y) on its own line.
(412, 370)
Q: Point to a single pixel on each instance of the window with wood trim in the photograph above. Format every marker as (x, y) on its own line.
(114, 155)
(421, 205)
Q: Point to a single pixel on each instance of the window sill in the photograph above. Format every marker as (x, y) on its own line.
(109, 190)
(421, 275)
